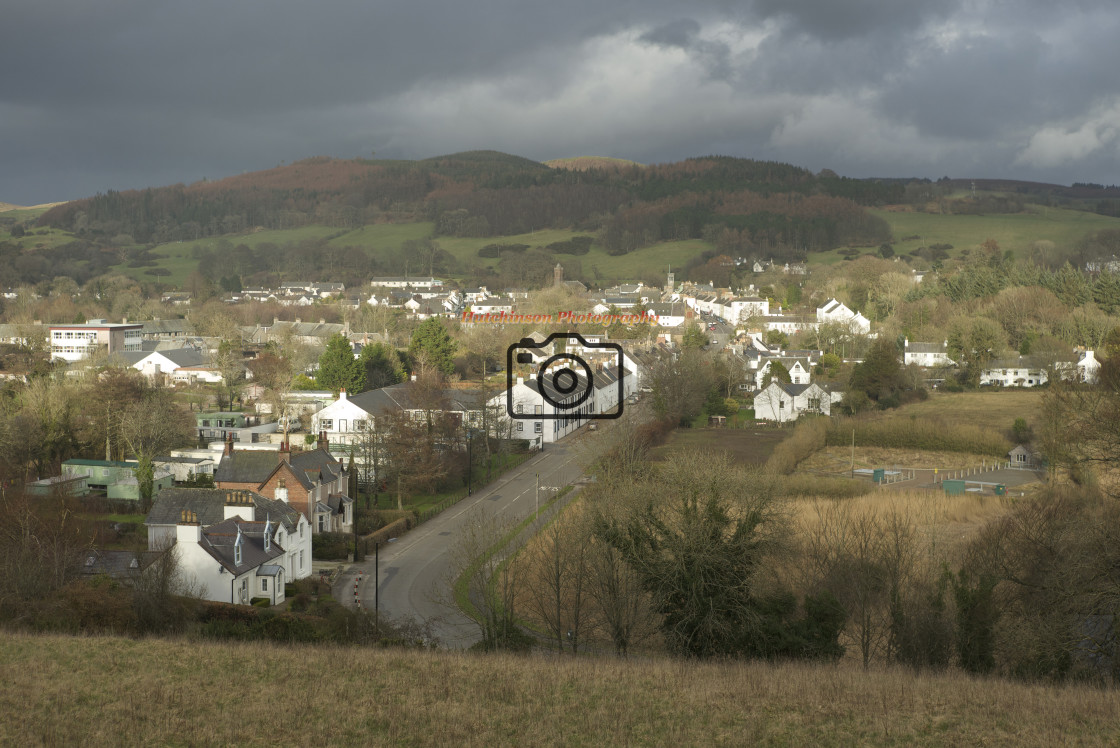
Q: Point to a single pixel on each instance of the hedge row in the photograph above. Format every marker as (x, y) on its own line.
(932, 435)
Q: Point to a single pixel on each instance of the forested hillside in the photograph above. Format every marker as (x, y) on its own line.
(484, 194)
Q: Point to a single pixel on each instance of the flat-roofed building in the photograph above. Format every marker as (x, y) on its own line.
(75, 342)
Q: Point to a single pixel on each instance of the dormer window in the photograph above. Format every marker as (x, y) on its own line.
(267, 534)
(237, 548)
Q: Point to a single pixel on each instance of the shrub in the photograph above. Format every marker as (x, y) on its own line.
(331, 546)
(808, 437)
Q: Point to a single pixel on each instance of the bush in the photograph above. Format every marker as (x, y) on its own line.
(577, 245)
(808, 437)
(331, 546)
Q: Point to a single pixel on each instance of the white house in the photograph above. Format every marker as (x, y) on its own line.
(1087, 368)
(790, 324)
(234, 545)
(926, 354)
(834, 311)
(782, 402)
(670, 314)
(561, 413)
(1011, 372)
(346, 419)
(799, 369)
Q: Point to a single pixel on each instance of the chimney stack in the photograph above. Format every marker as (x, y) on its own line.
(228, 450)
(285, 452)
(323, 444)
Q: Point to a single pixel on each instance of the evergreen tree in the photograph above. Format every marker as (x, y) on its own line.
(432, 342)
(338, 368)
(381, 365)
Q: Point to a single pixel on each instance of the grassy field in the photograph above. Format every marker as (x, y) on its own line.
(102, 691)
(1015, 231)
(746, 446)
(994, 409)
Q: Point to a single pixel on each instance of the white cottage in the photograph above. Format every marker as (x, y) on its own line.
(782, 402)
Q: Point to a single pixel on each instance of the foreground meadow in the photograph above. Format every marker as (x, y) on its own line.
(100, 691)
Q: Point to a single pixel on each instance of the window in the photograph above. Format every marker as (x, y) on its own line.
(301, 559)
(326, 423)
(518, 408)
(537, 409)
(264, 585)
(301, 529)
(322, 523)
(237, 552)
(781, 404)
(537, 428)
(341, 424)
(520, 425)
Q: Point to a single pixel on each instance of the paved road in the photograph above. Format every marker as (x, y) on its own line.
(415, 570)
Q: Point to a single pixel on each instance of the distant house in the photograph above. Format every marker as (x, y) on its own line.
(1014, 372)
(799, 369)
(836, 312)
(179, 366)
(782, 402)
(926, 354)
(1087, 369)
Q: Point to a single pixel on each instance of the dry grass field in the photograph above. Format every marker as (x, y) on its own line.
(996, 409)
(750, 446)
(109, 691)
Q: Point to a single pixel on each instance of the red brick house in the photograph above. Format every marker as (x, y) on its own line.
(311, 481)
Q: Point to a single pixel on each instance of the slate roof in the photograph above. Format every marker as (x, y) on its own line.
(913, 347)
(117, 564)
(167, 327)
(218, 540)
(337, 501)
(398, 397)
(246, 466)
(209, 504)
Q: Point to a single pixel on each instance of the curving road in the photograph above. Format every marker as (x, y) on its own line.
(416, 570)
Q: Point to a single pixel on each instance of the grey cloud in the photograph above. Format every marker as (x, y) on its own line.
(841, 19)
(676, 34)
(124, 93)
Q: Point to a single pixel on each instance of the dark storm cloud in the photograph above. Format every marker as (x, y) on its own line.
(121, 93)
(841, 19)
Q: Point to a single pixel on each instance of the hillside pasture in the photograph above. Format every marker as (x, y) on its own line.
(1013, 231)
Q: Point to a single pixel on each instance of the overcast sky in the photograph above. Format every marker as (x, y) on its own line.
(120, 94)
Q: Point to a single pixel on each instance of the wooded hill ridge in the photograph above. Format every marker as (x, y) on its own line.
(484, 193)
(736, 207)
